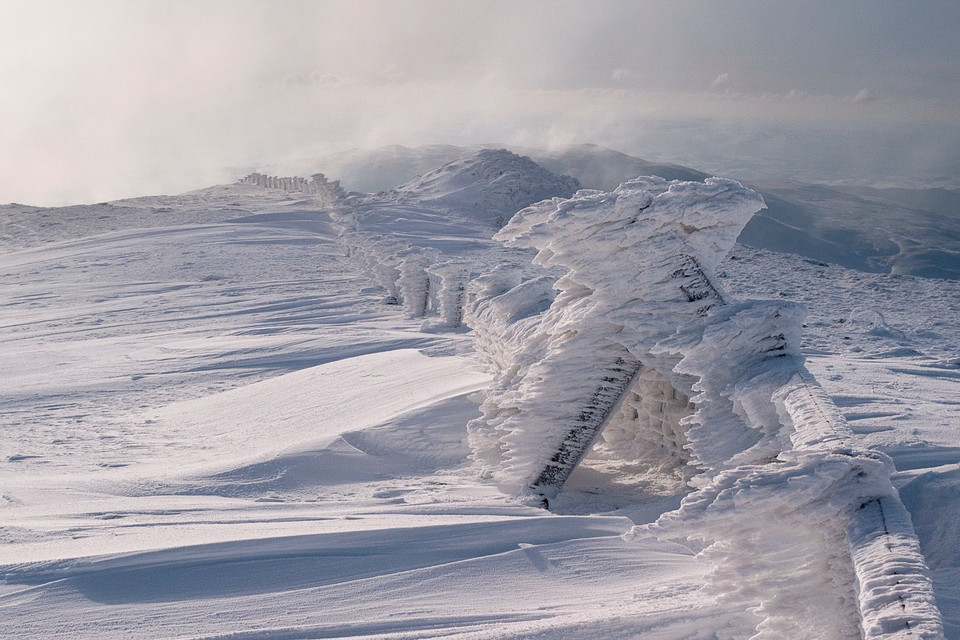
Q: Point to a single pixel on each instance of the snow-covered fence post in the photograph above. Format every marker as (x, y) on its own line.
(329, 193)
(378, 258)
(414, 281)
(894, 591)
(452, 296)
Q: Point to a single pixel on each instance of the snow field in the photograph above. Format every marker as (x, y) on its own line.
(214, 428)
(267, 454)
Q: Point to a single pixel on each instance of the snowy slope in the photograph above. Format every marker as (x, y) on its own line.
(216, 414)
(864, 231)
(214, 428)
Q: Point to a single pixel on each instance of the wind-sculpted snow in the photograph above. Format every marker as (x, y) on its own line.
(801, 527)
(638, 261)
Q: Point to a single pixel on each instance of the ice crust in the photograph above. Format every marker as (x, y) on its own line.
(640, 340)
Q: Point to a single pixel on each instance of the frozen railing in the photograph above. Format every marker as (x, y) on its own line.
(636, 347)
(421, 280)
(316, 185)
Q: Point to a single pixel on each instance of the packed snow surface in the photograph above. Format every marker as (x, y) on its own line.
(219, 422)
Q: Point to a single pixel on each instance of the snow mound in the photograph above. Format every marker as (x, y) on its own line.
(490, 184)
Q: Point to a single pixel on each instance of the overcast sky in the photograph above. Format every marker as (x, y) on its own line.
(102, 99)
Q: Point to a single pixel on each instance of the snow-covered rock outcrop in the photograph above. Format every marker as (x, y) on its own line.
(639, 349)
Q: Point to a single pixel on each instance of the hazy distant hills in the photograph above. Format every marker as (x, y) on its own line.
(889, 230)
(372, 170)
(906, 231)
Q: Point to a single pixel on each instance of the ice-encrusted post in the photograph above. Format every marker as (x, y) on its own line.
(414, 281)
(894, 591)
(452, 296)
(784, 483)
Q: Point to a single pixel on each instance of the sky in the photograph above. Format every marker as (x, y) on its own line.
(110, 98)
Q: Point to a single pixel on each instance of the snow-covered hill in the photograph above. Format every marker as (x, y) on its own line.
(488, 186)
(214, 427)
(916, 232)
(908, 231)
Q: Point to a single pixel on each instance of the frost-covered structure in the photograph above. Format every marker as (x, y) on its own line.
(424, 240)
(636, 349)
(638, 261)
(317, 185)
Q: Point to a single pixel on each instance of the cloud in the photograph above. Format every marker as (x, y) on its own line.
(113, 98)
(720, 80)
(860, 97)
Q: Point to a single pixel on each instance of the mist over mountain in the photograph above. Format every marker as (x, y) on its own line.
(380, 169)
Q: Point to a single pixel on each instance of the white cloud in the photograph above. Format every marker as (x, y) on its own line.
(864, 95)
(113, 98)
(720, 80)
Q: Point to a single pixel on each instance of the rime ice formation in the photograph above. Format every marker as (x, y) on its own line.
(640, 350)
(317, 185)
(638, 261)
(405, 239)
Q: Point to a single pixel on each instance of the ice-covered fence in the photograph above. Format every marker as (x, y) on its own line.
(785, 485)
(637, 263)
(414, 282)
(316, 185)
(802, 528)
(421, 280)
(378, 258)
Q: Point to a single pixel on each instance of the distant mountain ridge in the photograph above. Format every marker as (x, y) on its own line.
(381, 169)
(876, 230)
(906, 231)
